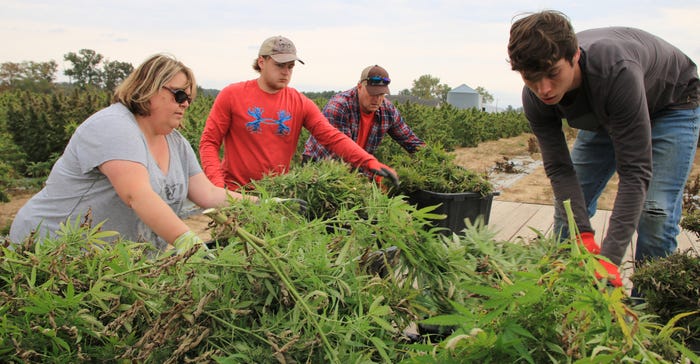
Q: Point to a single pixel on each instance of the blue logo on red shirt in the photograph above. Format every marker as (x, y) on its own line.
(255, 126)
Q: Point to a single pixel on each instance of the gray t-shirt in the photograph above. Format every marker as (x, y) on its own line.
(75, 184)
(628, 75)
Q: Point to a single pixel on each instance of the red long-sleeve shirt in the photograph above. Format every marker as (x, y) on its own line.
(260, 132)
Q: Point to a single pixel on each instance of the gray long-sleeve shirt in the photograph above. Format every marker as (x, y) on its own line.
(627, 76)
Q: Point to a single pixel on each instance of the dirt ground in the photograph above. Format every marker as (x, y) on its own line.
(9, 209)
(530, 186)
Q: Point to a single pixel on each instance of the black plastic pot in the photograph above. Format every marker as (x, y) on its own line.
(435, 333)
(457, 206)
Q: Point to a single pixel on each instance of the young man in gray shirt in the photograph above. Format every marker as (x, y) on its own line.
(635, 99)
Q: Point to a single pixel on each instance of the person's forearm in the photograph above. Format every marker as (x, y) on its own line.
(158, 216)
(220, 197)
(237, 195)
(624, 219)
(211, 164)
(205, 194)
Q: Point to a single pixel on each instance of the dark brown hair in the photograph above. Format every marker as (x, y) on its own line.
(539, 40)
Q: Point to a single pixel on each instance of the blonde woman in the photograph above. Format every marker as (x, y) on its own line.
(127, 165)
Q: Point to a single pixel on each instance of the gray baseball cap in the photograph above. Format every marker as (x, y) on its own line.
(281, 49)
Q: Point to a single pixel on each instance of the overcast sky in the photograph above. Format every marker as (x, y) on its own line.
(459, 42)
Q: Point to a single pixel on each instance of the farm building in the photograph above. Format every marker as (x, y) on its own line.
(464, 97)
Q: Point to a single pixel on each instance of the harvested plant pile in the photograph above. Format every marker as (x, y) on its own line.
(671, 288)
(433, 169)
(283, 288)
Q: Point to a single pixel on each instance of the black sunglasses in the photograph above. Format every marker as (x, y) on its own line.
(180, 95)
(378, 81)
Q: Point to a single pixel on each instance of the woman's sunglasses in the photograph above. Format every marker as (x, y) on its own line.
(180, 95)
(378, 81)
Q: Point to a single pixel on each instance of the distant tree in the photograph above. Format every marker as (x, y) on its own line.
(405, 92)
(41, 71)
(486, 97)
(322, 94)
(208, 92)
(429, 87)
(114, 72)
(85, 69)
(89, 70)
(28, 75)
(442, 91)
(424, 85)
(10, 74)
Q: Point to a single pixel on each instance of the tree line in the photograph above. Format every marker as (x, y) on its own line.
(90, 69)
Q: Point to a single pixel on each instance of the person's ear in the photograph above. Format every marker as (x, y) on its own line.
(576, 57)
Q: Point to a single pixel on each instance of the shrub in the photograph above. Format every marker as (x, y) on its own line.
(42, 124)
(670, 286)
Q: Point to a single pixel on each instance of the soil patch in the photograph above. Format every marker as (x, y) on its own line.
(8, 210)
(527, 181)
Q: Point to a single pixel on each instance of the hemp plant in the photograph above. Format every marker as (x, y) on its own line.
(433, 169)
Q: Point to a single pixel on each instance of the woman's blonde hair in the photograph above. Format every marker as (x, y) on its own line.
(136, 90)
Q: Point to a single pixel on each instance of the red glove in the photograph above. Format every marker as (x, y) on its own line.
(380, 170)
(587, 239)
(613, 273)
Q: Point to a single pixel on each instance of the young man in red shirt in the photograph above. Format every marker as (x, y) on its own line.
(259, 122)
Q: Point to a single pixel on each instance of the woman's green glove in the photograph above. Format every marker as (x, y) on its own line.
(186, 241)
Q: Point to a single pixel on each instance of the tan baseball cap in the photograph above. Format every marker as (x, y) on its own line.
(281, 49)
(377, 80)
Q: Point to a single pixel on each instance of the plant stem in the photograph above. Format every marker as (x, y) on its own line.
(134, 287)
(573, 229)
(258, 245)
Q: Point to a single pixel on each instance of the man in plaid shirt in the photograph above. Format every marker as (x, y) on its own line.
(363, 114)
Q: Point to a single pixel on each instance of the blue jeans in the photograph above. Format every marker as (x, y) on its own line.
(674, 137)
